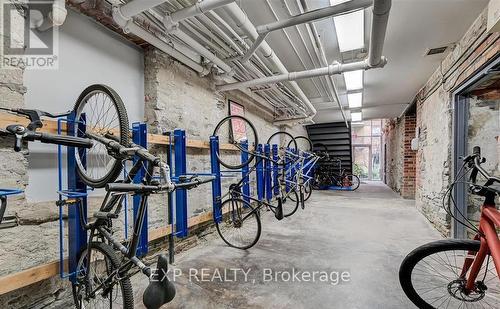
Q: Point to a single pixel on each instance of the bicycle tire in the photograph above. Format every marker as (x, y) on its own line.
(253, 213)
(124, 284)
(354, 180)
(303, 141)
(282, 155)
(111, 173)
(407, 269)
(292, 196)
(217, 132)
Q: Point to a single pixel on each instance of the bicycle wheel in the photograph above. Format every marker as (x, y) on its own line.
(304, 144)
(352, 181)
(103, 262)
(285, 141)
(102, 112)
(290, 201)
(240, 226)
(236, 130)
(431, 276)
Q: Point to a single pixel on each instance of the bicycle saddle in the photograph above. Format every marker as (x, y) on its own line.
(160, 290)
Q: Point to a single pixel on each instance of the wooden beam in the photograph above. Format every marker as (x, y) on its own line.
(50, 126)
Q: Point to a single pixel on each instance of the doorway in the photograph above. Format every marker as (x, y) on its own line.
(366, 141)
(476, 122)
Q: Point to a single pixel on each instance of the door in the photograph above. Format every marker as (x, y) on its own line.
(362, 161)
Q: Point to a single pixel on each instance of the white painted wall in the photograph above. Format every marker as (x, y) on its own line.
(89, 54)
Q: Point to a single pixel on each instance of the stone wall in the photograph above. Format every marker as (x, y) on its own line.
(393, 141)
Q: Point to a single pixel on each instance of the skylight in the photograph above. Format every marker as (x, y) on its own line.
(350, 29)
(353, 80)
(355, 99)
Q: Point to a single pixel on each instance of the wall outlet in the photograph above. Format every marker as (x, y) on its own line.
(414, 144)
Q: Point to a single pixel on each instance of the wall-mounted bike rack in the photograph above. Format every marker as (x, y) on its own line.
(75, 197)
(266, 174)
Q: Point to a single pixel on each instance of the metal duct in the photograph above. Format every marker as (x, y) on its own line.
(381, 9)
(336, 68)
(244, 23)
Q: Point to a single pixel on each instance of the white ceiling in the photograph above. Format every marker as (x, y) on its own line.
(414, 26)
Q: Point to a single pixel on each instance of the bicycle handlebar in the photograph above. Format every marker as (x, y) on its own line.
(475, 160)
(23, 134)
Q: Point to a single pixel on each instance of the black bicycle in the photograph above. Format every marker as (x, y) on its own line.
(98, 129)
(241, 134)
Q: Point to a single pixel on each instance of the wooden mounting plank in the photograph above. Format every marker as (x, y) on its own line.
(50, 126)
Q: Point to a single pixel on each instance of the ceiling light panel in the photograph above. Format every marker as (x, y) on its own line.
(353, 80)
(355, 99)
(350, 29)
(356, 116)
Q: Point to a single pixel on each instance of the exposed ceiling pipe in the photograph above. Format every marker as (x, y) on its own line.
(323, 60)
(381, 9)
(124, 14)
(199, 8)
(244, 24)
(135, 7)
(336, 68)
(329, 11)
(201, 50)
(171, 22)
(128, 26)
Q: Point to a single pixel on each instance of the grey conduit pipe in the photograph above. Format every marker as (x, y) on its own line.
(381, 9)
(336, 68)
(129, 26)
(249, 29)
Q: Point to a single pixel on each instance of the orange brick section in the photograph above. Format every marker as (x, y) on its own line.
(410, 156)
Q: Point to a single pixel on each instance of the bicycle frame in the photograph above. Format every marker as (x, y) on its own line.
(490, 243)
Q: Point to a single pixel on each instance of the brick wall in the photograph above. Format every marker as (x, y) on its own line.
(409, 161)
(400, 160)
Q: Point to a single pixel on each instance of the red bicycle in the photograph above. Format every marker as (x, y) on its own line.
(457, 273)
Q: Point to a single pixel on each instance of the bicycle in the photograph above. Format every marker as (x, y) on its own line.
(453, 272)
(98, 131)
(241, 134)
(326, 175)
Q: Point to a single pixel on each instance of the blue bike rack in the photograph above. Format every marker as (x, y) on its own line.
(140, 137)
(216, 184)
(181, 216)
(260, 174)
(268, 173)
(276, 190)
(77, 235)
(245, 173)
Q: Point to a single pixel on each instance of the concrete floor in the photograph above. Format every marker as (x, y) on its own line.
(365, 233)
